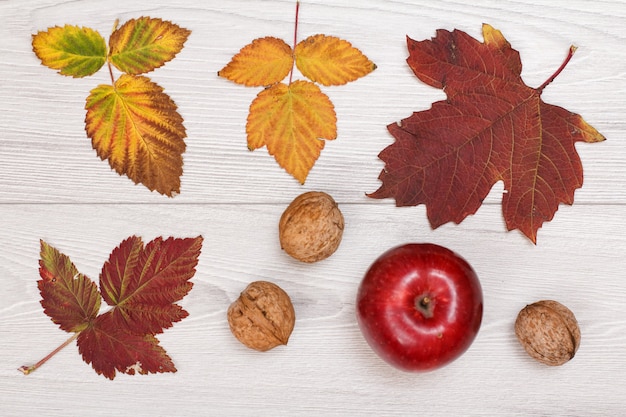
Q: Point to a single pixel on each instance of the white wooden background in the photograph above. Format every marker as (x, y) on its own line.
(53, 187)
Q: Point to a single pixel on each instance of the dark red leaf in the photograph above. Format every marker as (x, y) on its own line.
(144, 283)
(110, 348)
(141, 285)
(491, 128)
(68, 297)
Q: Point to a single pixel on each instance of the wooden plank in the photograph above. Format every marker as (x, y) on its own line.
(48, 158)
(53, 187)
(327, 367)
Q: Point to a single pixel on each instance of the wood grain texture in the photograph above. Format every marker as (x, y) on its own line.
(327, 367)
(47, 156)
(53, 187)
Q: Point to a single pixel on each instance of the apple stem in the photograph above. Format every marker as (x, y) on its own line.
(423, 304)
(569, 56)
(27, 369)
(295, 40)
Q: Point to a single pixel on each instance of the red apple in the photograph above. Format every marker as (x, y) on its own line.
(419, 306)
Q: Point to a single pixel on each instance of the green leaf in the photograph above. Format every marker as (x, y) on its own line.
(74, 51)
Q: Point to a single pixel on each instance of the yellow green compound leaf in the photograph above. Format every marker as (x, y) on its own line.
(73, 51)
(263, 62)
(291, 120)
(331, 61)
(136, 127)
(141, 45)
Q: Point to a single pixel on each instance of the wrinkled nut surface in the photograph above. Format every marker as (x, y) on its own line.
(311, 227)
(548, 331)
(262, 317)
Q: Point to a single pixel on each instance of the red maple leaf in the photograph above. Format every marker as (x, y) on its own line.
(491, 128)
(141, 284)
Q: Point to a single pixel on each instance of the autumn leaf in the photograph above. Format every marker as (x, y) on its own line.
(331, 61)
(108, 347)
(141, 45)
(74, 51)
(132, 123)
(290, 120)
(144, 283)
(263, 62)
(293, 119)
(141, 284)
(491, 128)
(69, 298)
(135, 126)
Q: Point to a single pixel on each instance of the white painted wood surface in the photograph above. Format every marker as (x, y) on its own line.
(53, 187)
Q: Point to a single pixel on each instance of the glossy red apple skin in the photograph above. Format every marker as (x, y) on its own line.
(419, 306)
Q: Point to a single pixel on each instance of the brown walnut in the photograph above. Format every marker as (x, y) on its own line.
(262, 317)
(548, 331)
(311, 227)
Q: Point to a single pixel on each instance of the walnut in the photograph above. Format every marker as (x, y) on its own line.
(311, 227)
(262, 317)
(548, 331)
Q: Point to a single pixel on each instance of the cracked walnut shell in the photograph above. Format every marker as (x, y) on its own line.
(548, 331)
(262, 317)
(311, 227)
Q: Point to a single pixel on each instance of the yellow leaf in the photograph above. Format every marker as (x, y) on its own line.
(494, 37)
(141, 45)
(74, 51)
(136, 127)
(331, 61)
(263, 62)
(291, 120)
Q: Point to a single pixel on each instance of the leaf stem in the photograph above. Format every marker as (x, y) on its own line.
(295, 40)
(115, 26)
(111, 73)
(27, 369)
(572, 49)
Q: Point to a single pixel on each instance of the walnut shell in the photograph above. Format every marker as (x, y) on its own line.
(262, 317)
(548, 331)
(311, 227)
